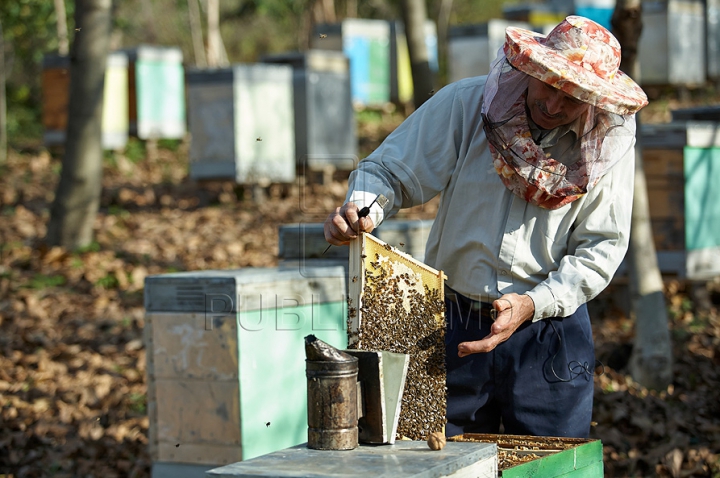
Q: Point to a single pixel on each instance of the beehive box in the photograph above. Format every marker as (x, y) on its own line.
(56, 99)
(405, 459)
(663, 165)
(701, 167)
(242, 123)
(324, 116)
(156, 94)
(396, 304)
(401, 81)
(542, 457)
(307, 240)
(226, 361)
(537, 15)
(472, 48)
(712, 26)
(673, 43)
(367, 44)
(599, 11)
(680, 163)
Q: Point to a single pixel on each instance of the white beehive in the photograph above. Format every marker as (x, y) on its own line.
(241, 123)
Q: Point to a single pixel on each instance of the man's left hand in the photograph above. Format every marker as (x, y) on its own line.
(512, 311)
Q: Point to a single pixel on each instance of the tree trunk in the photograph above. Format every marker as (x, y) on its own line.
(443, 27)
(651, 359)
(62, 31)
(351, 9)
(196, 33)
(3, 98)
(77, 197)
(328, 7)
(216, 56)
(414, 17)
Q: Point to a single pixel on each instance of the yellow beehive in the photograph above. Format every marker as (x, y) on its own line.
(396, 304)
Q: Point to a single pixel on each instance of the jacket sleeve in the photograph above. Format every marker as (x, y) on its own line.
(415, 161)
(597, 244)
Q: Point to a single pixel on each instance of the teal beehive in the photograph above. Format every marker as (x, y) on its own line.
(156, 92)
(226, 361)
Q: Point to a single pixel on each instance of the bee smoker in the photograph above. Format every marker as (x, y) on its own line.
(332, 392)
(353, 395)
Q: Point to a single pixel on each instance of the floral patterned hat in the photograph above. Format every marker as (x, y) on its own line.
(580, 58)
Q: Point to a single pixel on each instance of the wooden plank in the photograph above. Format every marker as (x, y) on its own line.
(485, 468)
(559, 456)
(593, 470)
(194, 453)
(198, 411)
(405, 459)
(184, 347)
(668, 233)
(663, 161)
(666, 197)
(589, 454)
(151, 395)
(56, 96)
(562, 463)
(132, 95)
(547, 466)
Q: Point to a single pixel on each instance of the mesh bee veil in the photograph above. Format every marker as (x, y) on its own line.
(523, 166)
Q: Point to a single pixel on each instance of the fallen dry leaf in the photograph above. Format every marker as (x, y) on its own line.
(72, 363)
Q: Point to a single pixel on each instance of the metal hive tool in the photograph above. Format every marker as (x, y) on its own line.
(396, 304)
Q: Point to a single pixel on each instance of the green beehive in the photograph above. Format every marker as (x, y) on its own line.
(522, 456)
(226, 361)
(701, 166)
(156, 92)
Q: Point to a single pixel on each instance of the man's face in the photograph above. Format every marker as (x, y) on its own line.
(550, 107)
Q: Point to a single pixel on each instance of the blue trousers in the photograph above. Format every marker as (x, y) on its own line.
(539, 382)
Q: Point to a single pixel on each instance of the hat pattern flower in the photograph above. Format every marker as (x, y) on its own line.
(579, 57)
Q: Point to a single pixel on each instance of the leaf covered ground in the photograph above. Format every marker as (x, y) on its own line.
(72, 361)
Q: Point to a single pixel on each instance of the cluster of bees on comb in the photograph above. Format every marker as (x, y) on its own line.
(401, 314)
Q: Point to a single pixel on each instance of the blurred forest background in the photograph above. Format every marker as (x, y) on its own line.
(73, 391)
(249, 29)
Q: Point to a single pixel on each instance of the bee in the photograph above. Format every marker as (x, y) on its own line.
(322, 35)
(258, 138)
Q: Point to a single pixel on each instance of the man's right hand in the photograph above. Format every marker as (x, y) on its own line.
(343, 225)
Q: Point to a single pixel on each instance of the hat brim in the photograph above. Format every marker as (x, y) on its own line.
(526, 51)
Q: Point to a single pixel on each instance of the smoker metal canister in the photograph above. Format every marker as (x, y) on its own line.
(332, 404)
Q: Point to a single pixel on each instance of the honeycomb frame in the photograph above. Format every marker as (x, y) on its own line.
(396, 304)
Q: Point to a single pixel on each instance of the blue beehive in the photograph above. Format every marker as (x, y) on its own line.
(367, 44)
